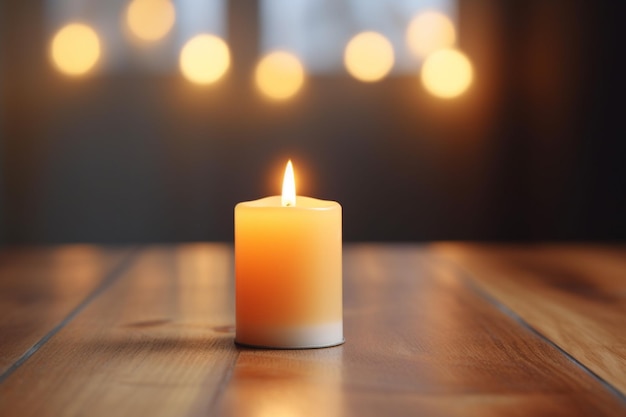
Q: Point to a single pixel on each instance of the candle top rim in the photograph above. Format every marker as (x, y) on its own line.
(302, 202)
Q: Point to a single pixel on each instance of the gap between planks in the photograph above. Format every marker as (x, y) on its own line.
(468, 279)
(107, 281)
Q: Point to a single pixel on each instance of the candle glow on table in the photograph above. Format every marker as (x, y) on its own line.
(288, 271)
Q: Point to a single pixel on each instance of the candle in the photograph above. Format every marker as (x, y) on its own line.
(288, 271)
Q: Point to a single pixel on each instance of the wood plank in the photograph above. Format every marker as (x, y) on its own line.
(158, 342)
(39, 287)
(419, 341)
(575, 295)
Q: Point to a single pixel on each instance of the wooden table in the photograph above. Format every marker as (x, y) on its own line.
(436, 330)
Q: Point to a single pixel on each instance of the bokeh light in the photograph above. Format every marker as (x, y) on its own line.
(428, 32)
(369, 56)
(150, 20)
(447, 73)
(279, 75)
(75, 49)
(204, 59)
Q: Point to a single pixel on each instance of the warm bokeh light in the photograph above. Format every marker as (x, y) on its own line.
(447, 73)
(369, 56)
(150, 20)
(75, 49)
(289, 187)
(204, 59)
(430, 31)
(279, 75)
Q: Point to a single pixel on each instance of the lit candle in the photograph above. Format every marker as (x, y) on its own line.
(288, 271)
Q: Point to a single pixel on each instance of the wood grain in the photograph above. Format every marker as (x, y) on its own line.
(39, 287)
(419, 341)
(574, 295)
(157, 343)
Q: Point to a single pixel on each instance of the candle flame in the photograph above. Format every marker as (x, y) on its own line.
(289, 187)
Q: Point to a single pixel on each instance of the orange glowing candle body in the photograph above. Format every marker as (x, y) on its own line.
(288, 271)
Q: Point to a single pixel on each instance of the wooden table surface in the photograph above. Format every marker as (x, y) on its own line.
(445, 329)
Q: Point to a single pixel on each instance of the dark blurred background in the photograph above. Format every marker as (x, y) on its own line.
(134, 152)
